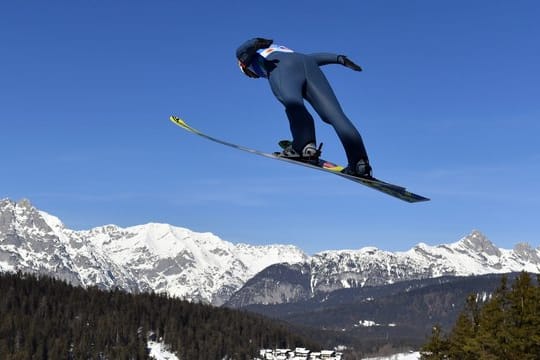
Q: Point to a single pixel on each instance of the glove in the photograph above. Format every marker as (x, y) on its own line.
(345, 61)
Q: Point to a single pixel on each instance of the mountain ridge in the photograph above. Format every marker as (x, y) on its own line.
(202, 267)
(151, 257)
(340, 269)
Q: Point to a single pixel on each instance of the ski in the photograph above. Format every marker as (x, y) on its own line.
(396, 191)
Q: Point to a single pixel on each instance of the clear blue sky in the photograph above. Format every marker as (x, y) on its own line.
(448, 105)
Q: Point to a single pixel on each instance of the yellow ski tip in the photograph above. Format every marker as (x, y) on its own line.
(177, 120)
(183, 124)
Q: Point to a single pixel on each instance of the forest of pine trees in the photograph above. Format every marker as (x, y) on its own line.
(42, 318)
(505, 327)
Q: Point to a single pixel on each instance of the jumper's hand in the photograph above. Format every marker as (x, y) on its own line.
(345, 61)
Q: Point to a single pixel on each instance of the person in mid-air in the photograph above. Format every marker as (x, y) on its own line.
(293, 77)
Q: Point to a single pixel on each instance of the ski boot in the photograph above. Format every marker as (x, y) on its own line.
(310, 153)
(362, 169)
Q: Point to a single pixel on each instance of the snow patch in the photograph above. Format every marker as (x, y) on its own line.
(402, 356)
(367, 323)
(159, 351)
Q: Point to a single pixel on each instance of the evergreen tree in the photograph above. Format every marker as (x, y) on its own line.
(524, 321)
(494, 331)
(437, 348)
(462, 337)
(42, 318)
(506, 327)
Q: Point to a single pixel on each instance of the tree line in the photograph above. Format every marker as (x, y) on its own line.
(507, 326)
(44, 318)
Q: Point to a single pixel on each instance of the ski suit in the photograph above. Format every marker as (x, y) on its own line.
(293, 77)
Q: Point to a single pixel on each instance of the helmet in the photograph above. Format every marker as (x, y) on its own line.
(247, 53)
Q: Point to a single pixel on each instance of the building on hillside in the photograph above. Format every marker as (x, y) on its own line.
(298, 354)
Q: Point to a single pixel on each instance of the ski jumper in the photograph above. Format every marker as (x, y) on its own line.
(294, 77)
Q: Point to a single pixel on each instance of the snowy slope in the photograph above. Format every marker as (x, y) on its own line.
(184, 263)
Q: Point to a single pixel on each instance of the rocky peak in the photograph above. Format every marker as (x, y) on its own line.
(479, 243)
(20, 216)
(526, 252)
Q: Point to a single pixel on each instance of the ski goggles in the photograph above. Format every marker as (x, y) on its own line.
(247, 71)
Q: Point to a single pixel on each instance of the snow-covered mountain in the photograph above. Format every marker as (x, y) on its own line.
(472, 255)
(333, 270)
(201, 266)
(151, 257)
